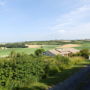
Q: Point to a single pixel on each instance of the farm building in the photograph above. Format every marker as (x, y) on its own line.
(63, 52)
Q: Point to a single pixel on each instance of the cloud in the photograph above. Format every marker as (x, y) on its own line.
(85, 0)
(61, 31)
(74, 24)
(2, 3)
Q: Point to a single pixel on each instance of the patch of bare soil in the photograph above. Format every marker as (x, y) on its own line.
(34, 46)
(69, 46)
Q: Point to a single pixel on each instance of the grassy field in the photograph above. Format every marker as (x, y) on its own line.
(83, 45)
(25, 50)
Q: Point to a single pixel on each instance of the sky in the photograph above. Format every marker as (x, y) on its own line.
(31, 20)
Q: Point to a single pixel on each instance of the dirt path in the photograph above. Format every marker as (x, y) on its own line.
(79, 81)
(85, 83)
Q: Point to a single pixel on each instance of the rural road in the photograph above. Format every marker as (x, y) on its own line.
(79, 81)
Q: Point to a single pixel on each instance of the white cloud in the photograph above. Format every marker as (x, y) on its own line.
(75, 24)
(2, 3)
(61, 31)
(85, 0)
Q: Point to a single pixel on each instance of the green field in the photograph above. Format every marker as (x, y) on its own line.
(83, 45)
(25, 50)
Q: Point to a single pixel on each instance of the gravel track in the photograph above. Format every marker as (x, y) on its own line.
(75, 81)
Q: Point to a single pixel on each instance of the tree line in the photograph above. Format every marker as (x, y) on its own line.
(13, 45)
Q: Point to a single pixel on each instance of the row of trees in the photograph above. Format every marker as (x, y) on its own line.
(57, 42)
(52, 42)
(13, 45)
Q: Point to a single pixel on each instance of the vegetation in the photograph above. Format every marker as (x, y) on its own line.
(51, 42)
(39, 52)
(58, 42)
(20, 71)
(46, 45)
(27, 69)
(83, 53)
(13, 45)
(6, 52)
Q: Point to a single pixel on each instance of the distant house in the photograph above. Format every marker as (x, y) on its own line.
(63, 52)
(51, 53)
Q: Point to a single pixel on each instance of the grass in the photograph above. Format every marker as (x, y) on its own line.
(8, 51)
(60, 76)
(46, 47)
(25, 50)
(84, 45)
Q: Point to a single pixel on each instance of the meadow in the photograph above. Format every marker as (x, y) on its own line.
(83, 45)
(6, 52)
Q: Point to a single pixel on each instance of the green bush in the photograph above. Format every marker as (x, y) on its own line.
(39, 52)
(83, 53)
(76, 60)
(62, 62)
(22, 70)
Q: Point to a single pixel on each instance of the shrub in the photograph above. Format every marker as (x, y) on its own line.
(85, 53)
(39, 52)
(62, 62)
(22, 70)
(76, 60)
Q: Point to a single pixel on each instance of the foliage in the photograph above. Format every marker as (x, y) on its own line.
(20, 70)
(62, 62)
(56, 42)
(25, 50)
(76, 60)
(83, 53)
(13, 45)
(39, 52)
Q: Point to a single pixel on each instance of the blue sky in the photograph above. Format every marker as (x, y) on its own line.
(27, 20)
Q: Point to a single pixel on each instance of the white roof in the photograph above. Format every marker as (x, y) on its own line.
(63, 51)
(54, 52)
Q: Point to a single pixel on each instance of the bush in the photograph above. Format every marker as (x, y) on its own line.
(39, 52)
(83, 53)
(76, 60)
(22, 70)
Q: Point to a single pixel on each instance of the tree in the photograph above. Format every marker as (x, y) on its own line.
(85, 53)
(39, 52)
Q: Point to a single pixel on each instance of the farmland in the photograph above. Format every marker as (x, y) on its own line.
(56, 44)
(84, 45)
(22, 71)
(25, 50)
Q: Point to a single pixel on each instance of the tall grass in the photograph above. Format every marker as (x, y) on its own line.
(76, 60)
